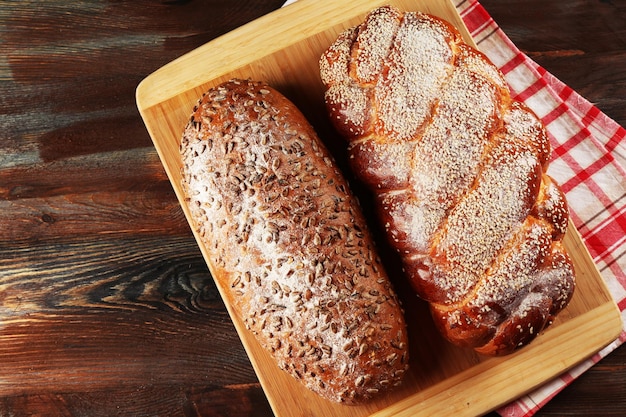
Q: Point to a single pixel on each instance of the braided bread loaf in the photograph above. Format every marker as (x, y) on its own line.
(458, 169)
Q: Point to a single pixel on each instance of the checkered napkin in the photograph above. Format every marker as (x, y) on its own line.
(588, 160)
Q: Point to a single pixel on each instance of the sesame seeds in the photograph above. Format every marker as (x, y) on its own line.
(501, 194)
(374, 42)
(458, 168)
(417, 66)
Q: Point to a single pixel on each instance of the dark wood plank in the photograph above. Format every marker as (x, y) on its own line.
(94, 195)
(147, 328)
(107, 305)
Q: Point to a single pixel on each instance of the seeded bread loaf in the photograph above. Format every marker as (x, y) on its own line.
(287, 239)
(458, 169)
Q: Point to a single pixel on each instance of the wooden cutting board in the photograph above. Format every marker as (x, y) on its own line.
(283, 49)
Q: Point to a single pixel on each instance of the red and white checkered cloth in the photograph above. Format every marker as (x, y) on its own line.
(588, 160)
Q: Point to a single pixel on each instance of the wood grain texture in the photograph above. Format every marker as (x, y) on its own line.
(106, 301)
(98, 263)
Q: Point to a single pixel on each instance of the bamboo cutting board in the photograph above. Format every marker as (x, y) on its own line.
(283, 49)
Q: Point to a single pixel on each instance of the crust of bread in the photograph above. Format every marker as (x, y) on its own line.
(458, 169)
(287, 239)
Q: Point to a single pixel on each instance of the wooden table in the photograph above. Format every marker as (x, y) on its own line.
(106, 305)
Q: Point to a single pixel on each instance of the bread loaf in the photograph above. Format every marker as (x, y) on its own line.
(458, 170)
(288, 241)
